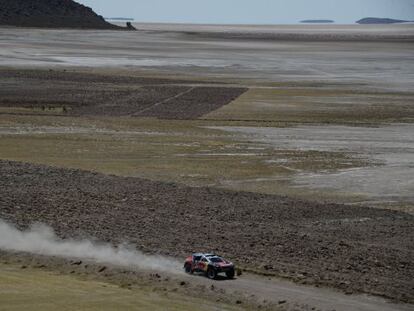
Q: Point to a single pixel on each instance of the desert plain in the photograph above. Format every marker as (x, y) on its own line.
(289, 149)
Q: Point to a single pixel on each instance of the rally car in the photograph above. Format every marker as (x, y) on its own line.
(209, 264)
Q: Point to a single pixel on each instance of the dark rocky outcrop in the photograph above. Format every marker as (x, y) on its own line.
(130, 26)
(51, 14)
(377, 20)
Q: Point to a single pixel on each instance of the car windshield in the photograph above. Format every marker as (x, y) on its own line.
(216, 259)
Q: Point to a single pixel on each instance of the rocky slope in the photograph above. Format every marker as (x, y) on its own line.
(353, 248)
(50, 14)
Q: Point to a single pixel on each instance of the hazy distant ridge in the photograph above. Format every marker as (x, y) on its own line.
(377, 20)
(317, 21)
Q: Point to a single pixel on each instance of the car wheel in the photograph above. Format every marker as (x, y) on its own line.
(230, 274)
(187, 268)
(211, 273)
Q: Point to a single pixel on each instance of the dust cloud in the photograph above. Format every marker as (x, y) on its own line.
(42, 240)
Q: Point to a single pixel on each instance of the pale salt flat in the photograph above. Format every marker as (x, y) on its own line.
(389, 148)
(386, 65)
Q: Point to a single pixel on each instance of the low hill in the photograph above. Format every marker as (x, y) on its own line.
(317, 21)
(376, 20)
(50, 14)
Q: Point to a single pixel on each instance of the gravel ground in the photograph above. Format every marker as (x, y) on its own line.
(355, 249)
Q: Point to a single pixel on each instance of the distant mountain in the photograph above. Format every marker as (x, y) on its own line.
(317, 21)
(377, 20)
(119, 19)
(51, 14)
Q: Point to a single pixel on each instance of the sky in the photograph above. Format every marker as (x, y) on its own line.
(251, 11)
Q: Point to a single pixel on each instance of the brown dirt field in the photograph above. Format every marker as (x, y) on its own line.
(194, 103)
(355, 249)
(88, 94)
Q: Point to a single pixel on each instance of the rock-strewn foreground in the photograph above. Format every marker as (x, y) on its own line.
(50, 14)
(356, 249)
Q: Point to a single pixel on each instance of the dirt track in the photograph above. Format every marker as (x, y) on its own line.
(86, 94)
(247, 291)
(356, 249)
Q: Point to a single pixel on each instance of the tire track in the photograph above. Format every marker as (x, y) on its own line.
(163, 101)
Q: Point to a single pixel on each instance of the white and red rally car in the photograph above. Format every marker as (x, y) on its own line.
(209, 264)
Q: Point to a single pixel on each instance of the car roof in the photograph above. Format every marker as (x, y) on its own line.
(205, 254)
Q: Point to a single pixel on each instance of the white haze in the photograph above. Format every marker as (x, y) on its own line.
(41, 239)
